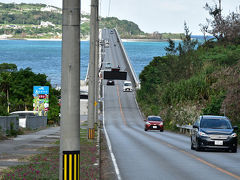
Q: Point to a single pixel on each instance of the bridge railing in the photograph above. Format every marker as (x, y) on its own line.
(129, 65)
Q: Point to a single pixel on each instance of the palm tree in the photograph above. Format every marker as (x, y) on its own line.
(5, 79)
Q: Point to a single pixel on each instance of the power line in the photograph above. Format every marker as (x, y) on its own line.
(109, 5)
(100, 8)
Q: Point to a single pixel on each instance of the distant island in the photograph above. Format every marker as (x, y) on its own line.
(41, 21)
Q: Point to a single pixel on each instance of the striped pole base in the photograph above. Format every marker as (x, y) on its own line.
(71, 165)
(91, 133)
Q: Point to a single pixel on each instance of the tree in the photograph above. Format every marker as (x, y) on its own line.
(223, 28)
(187, 44)
(204, 29)
(5, 67)
(171, 50)
(5, 79)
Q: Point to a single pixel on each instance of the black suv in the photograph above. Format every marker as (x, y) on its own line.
(214, 132)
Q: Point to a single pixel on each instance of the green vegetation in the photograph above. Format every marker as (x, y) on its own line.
(25, 20)
(28, 14)
(191, 81)
(124, 27)
(205, 81)
(12, 132)
(16, 87)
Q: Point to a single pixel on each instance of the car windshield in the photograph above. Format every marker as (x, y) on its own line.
(215, 124)
(154, 119)
(127, 84)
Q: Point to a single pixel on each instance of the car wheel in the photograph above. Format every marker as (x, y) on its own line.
(192, 148)
(161, 130)
(145, 129)
(234, 150)
(197, 147)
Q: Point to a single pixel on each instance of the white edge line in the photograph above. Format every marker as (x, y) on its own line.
(110, 147)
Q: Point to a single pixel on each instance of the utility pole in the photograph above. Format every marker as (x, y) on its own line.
(70, 92)
(97, 64)
(92, 70)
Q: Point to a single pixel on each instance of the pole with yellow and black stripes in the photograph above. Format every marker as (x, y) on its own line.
(71, 165)
(70, 92)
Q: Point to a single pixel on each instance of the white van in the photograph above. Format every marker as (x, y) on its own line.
(107, 66)
(106, 44)
(23, 116)
(127, 86)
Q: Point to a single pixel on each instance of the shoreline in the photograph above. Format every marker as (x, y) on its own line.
(123, 40)
(36, 39)
(144, 40)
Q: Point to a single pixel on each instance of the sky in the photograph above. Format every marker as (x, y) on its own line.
(153, 15)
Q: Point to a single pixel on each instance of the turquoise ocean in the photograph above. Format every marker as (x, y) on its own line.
(45, 56)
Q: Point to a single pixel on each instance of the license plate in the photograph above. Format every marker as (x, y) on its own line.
(154, 126)
(219, 143)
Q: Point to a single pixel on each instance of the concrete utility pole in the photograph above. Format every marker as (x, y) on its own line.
(92, 70)
(97, 64)
(70, 92)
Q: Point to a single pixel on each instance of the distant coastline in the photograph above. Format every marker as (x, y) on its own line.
(37, 39)
(57, 39)
(144, 40)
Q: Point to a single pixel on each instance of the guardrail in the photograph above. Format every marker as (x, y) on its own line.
(185, 129)
(133, 74)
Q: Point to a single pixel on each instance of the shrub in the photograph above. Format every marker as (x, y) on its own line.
(12, 131)
(214, 106)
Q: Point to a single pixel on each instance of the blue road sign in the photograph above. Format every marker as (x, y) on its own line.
(40, 90)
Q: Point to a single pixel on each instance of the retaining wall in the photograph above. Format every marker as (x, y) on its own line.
(35, 122)
(5, 123)
(32, 122)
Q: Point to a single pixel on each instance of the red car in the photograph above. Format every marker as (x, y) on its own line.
(154, 123)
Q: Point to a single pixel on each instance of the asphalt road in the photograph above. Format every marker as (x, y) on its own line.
(14, 151)
(154, 155)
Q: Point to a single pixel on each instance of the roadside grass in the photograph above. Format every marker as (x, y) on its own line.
(89, 164)
(41, 166)
(46, 164)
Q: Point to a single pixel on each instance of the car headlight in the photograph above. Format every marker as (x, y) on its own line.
(161, 123)
(202, 134)
(148, 123)
(234, 135)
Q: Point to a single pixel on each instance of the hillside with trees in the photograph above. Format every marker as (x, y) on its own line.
(124, 27)
(42, 21)
(192, 79)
